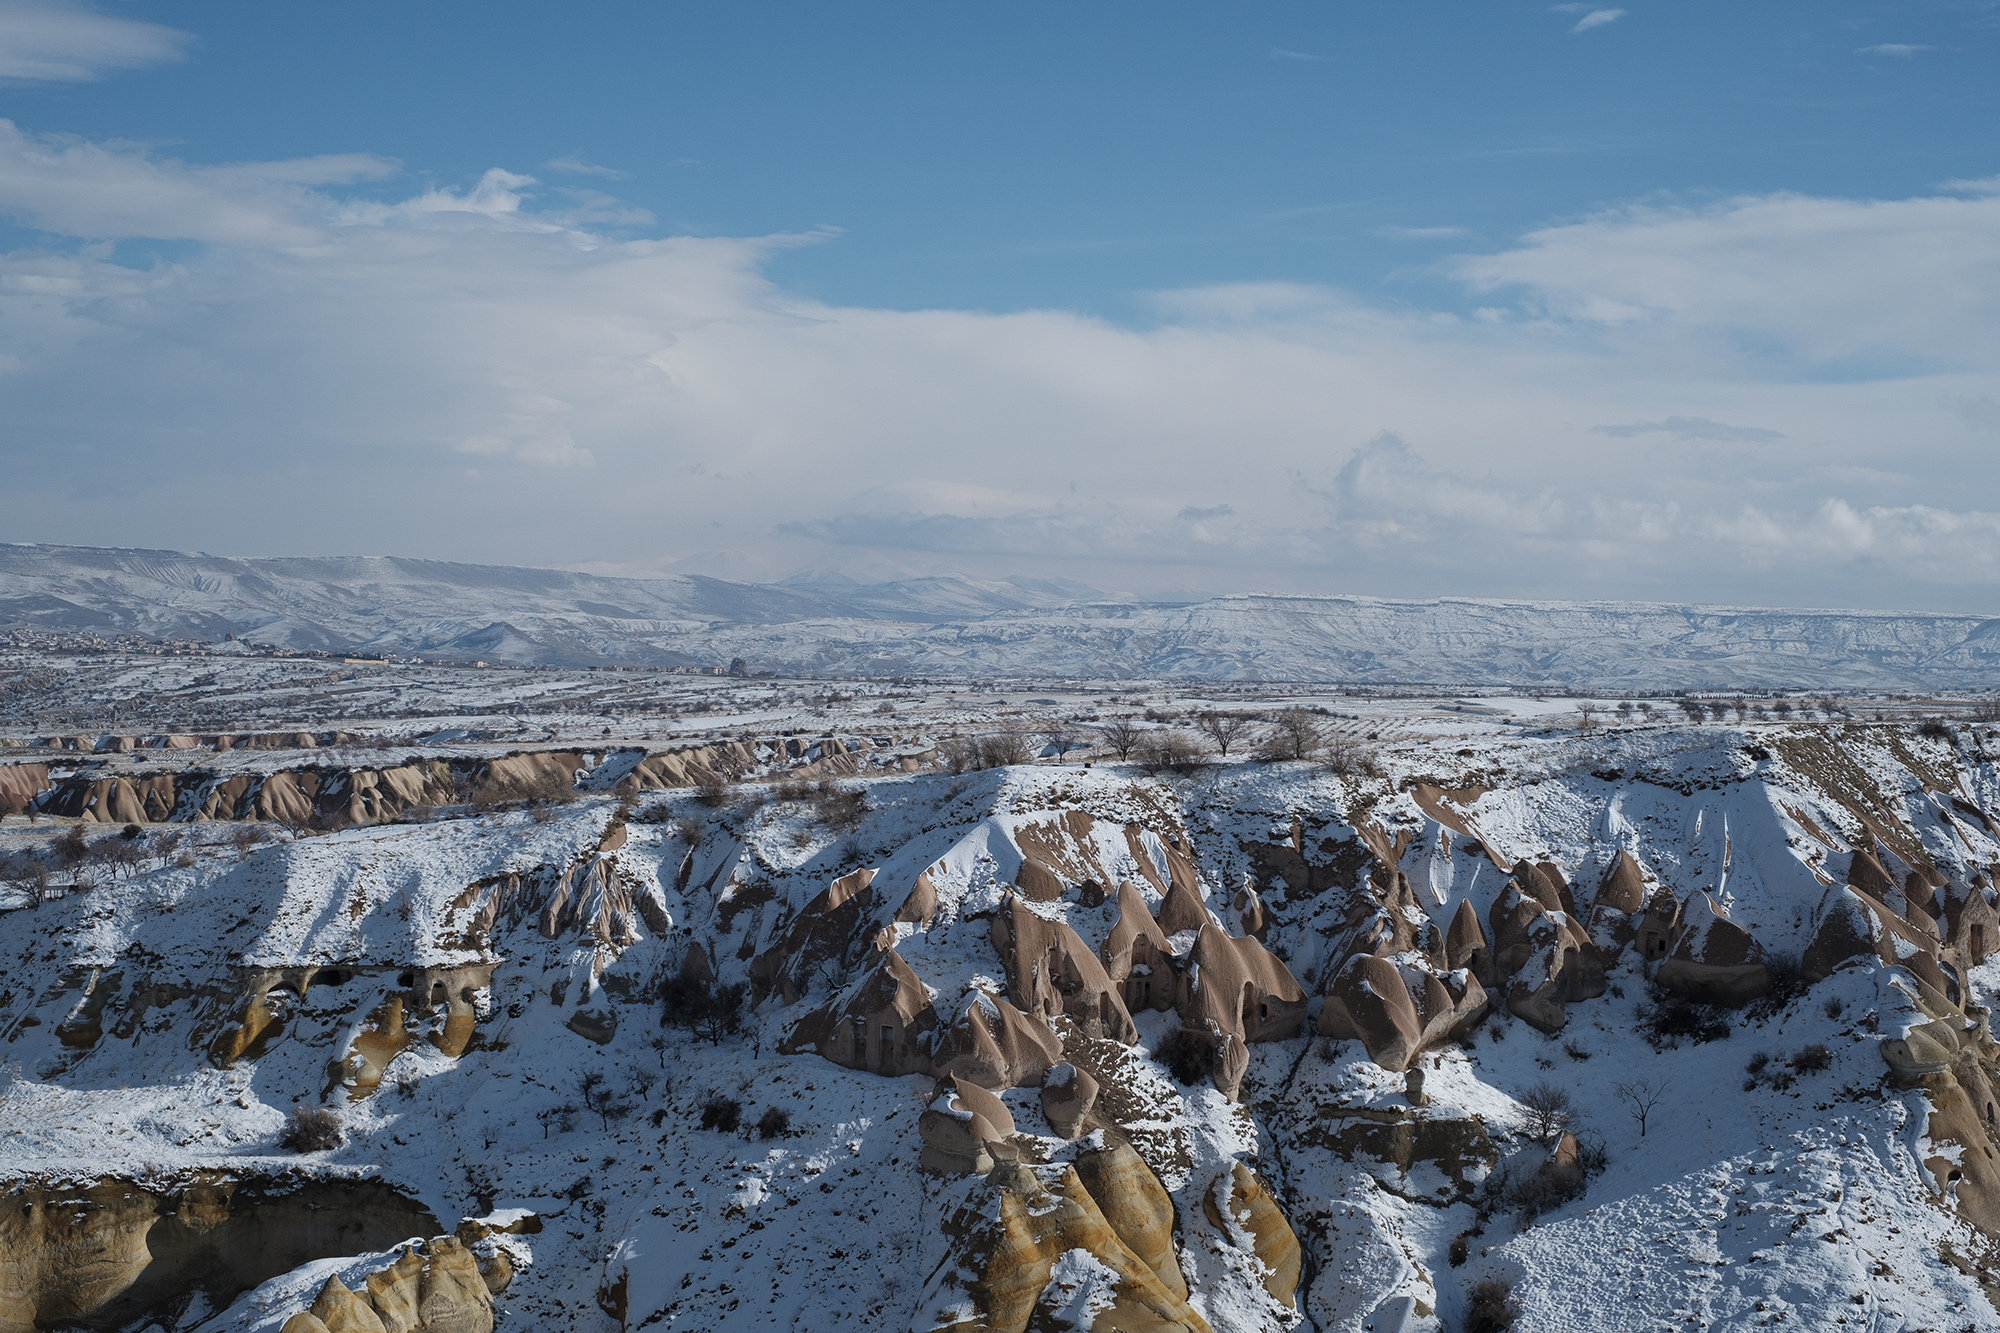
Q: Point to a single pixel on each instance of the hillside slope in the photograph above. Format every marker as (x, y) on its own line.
(1254, 1050)
(971, 628)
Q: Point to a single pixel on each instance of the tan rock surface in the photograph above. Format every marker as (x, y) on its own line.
(1239, 1205)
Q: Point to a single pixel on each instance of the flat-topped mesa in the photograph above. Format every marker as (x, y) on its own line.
(1051, 971)
(1716, 961)
(1138, 956)
(1234, 992)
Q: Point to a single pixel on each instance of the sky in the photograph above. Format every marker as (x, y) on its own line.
(1690, 302)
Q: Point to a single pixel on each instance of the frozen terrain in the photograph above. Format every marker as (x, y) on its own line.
(964, 627)
(470, 969)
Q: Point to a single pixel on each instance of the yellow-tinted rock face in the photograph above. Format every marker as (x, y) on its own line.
(1012, 1247)
(341, 1311)
(1136, 1207)
(1239, 1205)
(113, 1253)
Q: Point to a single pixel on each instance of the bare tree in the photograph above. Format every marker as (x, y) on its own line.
(1640, 1097)
(1586, 717)
(1549, 1108)
(597, 1096)
(1173, 752)
(1062, 737)
(1122, 735)
(1225, 729)
(1295, 734)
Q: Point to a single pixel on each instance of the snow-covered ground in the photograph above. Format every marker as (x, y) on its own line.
(1801, 1206)
(959, 627)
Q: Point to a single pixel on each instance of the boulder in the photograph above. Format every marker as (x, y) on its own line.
(1068, 1094)
(1716, 961)
(962, 1129)
(1563, 1169)
(341, 1311)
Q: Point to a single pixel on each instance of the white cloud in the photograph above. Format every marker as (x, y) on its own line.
(1596, 18)
(1980, 185)
(318, 371)
(1280, 53)
(1421, 233)
(42, 41)
(576, 166)
(1692, 428)
(1899, 50)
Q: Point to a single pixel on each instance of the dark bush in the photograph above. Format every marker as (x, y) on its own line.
(1757, 1063)
(722, 1113)
(1811, 1059)
(702, 1007)
(1833, 1008)
(774, 1123)
(1672, 1020)
(1788, 983)
(313, 1129)
(1575, 1051)
(70, 848)
(1592, 1156)
(711, 789)
(1461, 1249)
(839, 808)
(1937, 729)
(1186, 1055)
(1492, 1306)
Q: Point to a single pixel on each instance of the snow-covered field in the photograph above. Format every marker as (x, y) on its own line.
(1808, 1201)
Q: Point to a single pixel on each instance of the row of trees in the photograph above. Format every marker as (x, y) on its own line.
(1288, 734)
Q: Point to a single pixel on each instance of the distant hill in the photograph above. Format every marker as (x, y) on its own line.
(962, 626)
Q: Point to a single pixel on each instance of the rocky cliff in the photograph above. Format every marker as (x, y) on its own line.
(1652, 1025)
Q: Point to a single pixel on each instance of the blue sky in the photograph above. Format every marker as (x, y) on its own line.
(1658, 301)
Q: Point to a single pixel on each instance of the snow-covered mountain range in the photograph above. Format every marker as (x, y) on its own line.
(964, 626)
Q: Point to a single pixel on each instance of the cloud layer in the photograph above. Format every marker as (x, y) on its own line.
(1764, 399)
(42, 42)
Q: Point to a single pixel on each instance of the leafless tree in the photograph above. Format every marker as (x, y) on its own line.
(1122, 735)
(1640, 1097)
(1549, 1108)
(1062, 737)
(1295, 734)
(1225, 729)
(1173, 752)
(1586, 717)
